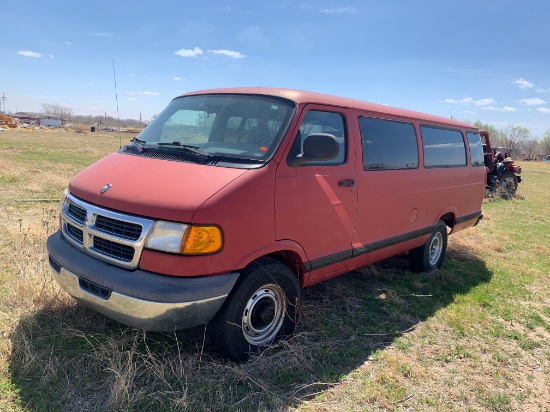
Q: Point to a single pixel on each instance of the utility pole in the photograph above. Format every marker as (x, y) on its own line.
(4, 98)
(139, 120)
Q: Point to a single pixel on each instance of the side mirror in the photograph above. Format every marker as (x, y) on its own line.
(317, 147)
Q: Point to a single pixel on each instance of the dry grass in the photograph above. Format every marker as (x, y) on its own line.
(473, 336)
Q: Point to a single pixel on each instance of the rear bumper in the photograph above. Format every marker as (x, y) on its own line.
(141, 299)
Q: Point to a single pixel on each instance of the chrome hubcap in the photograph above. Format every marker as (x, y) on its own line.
(436, 247)
(263, 315)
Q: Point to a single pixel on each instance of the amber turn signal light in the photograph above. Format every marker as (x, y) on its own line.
(200, 240)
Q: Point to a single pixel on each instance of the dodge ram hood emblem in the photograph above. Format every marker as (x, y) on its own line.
(105, 188)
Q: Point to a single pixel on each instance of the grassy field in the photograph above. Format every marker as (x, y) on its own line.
(474, 336)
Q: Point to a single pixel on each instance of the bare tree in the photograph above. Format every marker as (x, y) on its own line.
(496, 135)
(545, 143)
(63, 112)
(514, 137)
(530, 149)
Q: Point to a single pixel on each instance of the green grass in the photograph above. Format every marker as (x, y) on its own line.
(473, 336)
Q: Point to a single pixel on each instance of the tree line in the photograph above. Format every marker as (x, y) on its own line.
(67, 116)
(518, 140)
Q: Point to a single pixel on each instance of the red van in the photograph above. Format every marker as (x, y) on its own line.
(231, 200)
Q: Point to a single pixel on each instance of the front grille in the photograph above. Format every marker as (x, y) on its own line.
(77, 214)
(119, 228)
(76, 234)
(113, 249)
(110, 236)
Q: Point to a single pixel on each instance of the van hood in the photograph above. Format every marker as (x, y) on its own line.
(148, 187)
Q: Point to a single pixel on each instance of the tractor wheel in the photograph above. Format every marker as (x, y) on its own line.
(508, 185)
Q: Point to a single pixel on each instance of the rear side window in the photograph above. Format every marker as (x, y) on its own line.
(442, 147)
(476, 150)
(388, 144)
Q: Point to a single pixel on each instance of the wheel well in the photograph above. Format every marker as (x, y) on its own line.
(449, 219)
(290, 259)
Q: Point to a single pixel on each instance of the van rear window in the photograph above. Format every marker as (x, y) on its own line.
(442, 147)
(476, 151)
(388, 144)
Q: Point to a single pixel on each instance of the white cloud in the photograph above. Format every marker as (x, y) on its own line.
(28, 53)
(484, 102)
(228, 53)
(68, 43)
(50, 56)
(501, 109)
(544, 110)
(469, 100)
(541, 90)
(132, 99)
(524, 84)
(339, 10)
(150, 93)
(532, 102)
(197, 51)
(461, 101)
(176, 78)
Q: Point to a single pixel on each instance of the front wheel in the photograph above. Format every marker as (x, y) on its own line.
(429, 256)
(258, 312)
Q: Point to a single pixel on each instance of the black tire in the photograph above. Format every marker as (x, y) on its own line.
(261, 308)
(429, 256)
(509, 185)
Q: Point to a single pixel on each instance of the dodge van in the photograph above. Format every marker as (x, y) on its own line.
(232, 200)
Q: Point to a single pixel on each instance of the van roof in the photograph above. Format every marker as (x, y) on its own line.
(300, 96)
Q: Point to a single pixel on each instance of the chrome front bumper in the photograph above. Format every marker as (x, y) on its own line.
(140, 299)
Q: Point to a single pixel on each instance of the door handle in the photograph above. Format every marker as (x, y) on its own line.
(346, 182)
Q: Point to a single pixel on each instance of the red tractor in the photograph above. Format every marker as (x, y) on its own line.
(502, 175)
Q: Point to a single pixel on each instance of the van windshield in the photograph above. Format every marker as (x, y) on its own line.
(224, 125)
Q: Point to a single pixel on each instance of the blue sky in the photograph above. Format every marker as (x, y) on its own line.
(470, 59)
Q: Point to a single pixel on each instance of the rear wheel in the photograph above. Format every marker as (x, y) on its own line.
(258, 312)
(430, 256)
(509, 184)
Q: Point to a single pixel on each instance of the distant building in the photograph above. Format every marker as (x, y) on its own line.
(50, 120)
(26, 117)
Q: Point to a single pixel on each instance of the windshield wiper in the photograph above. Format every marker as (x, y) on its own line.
(186, 147)
(139, 143)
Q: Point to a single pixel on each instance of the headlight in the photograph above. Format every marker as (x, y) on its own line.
(185, 239)
(166, 236)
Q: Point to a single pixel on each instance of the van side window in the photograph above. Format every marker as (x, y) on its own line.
(442, 147)
(388, 144)
(476, 151)
(317, 121)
